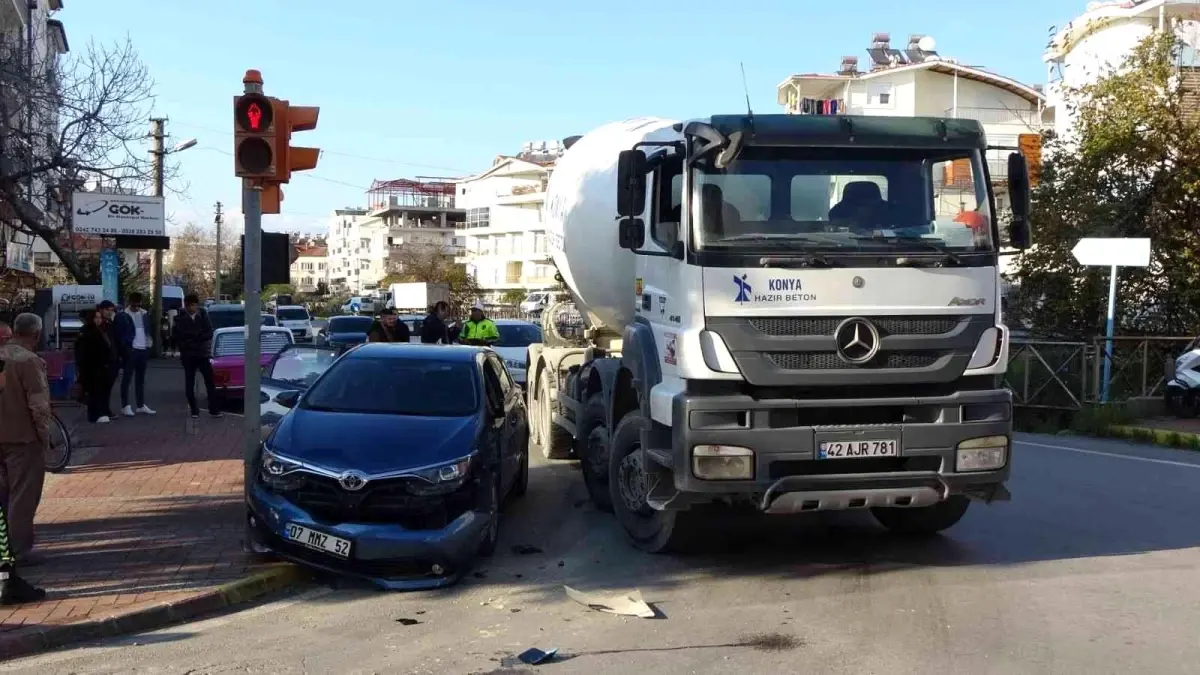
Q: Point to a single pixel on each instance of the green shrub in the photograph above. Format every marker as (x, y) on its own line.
(1098, 420)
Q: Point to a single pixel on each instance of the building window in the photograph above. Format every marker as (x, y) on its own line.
(478, 217)
(880, 95)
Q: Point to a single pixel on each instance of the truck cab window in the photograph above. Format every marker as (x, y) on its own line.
(668, 203)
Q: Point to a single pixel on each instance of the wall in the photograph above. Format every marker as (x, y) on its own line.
(864, 98)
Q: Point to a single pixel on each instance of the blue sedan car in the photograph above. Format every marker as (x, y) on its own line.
(394, 465)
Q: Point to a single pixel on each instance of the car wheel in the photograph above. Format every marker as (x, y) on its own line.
(521, 484)
(491, 535)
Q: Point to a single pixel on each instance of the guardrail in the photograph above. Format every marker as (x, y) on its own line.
(1062, 375)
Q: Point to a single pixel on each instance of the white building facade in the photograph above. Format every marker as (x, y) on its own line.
(311, 269)
(27, 26)
(1103, 36)
(504, 236)
(345, 255)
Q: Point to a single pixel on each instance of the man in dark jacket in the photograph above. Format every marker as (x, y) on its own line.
(136, 334)
(433, 330)
(193, 335)
(387, 329)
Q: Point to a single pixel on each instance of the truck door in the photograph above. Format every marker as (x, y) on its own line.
(662, 296)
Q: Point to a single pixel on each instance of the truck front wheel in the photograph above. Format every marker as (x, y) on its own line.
(923, 520)
(650, 530)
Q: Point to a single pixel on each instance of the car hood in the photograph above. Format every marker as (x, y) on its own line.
(350, 338)
(379, 443)
(512, 353)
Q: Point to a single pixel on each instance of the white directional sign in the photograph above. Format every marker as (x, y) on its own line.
(113, 215)
(1115, 252)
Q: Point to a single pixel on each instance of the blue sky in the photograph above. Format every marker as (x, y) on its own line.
(438, 89)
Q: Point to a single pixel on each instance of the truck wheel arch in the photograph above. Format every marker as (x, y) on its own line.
(640, 368)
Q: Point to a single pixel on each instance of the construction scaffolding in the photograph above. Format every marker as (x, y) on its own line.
(423, 192)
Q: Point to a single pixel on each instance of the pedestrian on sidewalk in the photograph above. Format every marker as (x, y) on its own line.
(135, 331)
(25, 418)
(193, 338)
(96, 357)
(13, 589)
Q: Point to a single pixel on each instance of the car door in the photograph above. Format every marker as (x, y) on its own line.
(498, 424)
(508, 422)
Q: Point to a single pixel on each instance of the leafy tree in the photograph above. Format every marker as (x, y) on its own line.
(513, 296)
(1131, 168)
(278, 289)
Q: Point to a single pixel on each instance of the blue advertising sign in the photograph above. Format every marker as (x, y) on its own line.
(110, 273)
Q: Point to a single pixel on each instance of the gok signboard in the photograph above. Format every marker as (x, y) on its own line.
(113, 215)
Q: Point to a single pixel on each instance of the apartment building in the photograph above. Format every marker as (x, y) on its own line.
(27, 30)
(503, 236)
(403, 218)
(1104, 35)
(311, 268)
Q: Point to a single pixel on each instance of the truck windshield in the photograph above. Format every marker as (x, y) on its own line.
(894, 200)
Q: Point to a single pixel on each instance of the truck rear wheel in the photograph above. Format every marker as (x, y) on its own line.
(650, 530)
(554, 441)
(594, 444)
(924, 520)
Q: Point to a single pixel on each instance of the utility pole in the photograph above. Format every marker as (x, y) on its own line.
(159, 134)
(219, 221)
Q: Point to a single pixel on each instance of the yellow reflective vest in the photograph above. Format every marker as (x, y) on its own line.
(484, 329)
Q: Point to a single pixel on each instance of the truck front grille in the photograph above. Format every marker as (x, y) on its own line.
(831, 360)
(888, 325)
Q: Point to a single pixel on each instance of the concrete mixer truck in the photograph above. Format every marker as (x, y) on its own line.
(790, 313)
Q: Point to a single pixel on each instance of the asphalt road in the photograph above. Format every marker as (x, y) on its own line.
(1090, 569)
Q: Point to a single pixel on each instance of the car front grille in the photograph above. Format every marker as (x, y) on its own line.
(386, 502)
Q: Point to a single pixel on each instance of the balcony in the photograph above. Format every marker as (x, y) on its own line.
(1001, 117)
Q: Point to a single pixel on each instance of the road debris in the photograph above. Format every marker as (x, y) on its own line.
(630, 604)
(525, 549)
(407, 622)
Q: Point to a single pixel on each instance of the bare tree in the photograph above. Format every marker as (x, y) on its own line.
(429, 263)
(193, 257)
(63, 123)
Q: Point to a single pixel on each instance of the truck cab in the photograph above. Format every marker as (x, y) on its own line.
(815, 324)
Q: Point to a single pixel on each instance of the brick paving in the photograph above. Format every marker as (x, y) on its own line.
(146, 514)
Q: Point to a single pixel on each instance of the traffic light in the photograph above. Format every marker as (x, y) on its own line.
(255, 134)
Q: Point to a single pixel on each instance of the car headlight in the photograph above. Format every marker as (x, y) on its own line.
(276, 471)
(442, 478)
(515, 365)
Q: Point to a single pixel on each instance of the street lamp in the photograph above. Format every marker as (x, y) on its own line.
(159, 135)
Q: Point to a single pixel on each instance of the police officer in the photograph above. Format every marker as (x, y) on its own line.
(479, 330)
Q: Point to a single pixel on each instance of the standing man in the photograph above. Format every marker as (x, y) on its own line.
(13, 589)
(387, 329)
(433, 330)
(25, 419)
(479, 330)
(134, 330)
(193, 338)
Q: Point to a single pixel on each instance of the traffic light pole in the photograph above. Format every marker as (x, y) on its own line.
(252, 291)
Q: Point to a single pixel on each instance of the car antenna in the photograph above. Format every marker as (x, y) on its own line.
(746, 89)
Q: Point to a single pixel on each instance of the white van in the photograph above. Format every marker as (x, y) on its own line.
(296, 319)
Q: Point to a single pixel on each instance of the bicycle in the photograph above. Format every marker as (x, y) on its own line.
(58, 454)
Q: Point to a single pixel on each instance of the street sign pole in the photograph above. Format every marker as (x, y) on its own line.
(1114, 254)
(1108, 333)
(252, 292)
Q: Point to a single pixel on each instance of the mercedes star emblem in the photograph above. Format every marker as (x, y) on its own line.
(352, 481)
(857, 340)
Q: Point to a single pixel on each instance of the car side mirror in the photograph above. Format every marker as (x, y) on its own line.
(631, 183)
(631, 233)
(1019, 235)
(287, 399)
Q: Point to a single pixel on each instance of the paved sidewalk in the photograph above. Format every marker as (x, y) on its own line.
(147, 517)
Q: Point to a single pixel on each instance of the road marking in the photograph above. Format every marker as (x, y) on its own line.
(1111, 454)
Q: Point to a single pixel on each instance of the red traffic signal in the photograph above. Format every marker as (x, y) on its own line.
(254, 136)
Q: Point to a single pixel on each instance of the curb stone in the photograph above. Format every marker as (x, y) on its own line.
(1166, 438)
(27, 641)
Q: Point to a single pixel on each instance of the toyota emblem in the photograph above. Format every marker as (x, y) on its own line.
(857, 340)
(352, 481)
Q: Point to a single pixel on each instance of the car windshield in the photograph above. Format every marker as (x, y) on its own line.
(350, 324)
(518, 335)
(854, 199)
(226, 318)
(300, 366)
(396, 386)
(292, 314)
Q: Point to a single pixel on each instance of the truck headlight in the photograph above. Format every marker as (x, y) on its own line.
(982, 454)
(722, 462)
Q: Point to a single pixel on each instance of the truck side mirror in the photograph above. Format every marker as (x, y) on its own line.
(631, 183)
(631, 233)
(1019, 236)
